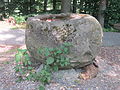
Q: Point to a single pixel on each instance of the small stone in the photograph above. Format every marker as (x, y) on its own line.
(63, 88)
(40, 68)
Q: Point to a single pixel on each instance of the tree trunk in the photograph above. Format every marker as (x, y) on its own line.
(66, 5)
(80, 5)
(74, 6)
(102, 8)
(2, 9)
(54, 4)
(45, 5)
(32, 9)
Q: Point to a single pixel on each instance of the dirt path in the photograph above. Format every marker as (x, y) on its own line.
(107, 79)
(11, 37)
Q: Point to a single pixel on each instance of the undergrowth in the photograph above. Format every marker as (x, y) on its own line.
(54, 59)
(110, 30)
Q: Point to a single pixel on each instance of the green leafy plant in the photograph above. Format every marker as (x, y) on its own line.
(23, 63)
(19, 19)
(54, 59)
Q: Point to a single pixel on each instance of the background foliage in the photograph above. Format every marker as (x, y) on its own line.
(28, 7)
(112, 13)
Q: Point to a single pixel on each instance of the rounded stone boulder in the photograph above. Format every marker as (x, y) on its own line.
(51, 30)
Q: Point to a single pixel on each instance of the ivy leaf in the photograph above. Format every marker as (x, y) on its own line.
(57, 60)
(18, 57)
(47, 53)
(50, 60)
(47, 68)
(62, 47)
(16, 69)
(66, 50)
(25, 63)
(30, 68)
(55, 68)
(62, 64)
(40, 50)
(29, 62)
(66, 63)
(59, 52)
(62, 58)
(67, 59)
(22, 50)
(67, 44)
(20, 70)
(48, 79)
(41, 88)
(51, 49)
(27, 57)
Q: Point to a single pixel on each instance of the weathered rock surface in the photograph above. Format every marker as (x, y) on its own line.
(82, 31)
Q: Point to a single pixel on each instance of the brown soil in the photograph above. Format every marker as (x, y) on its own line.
(109, 57)
(7, 52)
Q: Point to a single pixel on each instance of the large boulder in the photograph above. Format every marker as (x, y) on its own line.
(51, 30)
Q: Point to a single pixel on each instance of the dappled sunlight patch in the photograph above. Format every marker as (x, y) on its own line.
(19, 26)
(19, 39)
(4, 24)
(4, 59)
(113, 74)
(6, 36)
(7, 52)
(6, 48)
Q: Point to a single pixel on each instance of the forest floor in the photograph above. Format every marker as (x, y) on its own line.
(108, 61)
